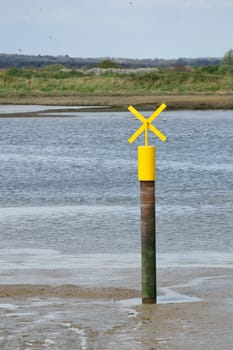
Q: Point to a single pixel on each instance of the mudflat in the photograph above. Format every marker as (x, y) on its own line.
(194, 311)
(197, 101)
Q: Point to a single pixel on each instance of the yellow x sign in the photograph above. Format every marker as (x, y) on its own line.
(147, 124)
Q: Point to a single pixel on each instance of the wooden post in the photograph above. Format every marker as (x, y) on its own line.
(148, 242)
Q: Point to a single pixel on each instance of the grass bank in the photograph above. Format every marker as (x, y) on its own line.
(185, 88)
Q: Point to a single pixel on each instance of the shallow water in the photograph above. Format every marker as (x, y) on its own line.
(70, 184)
(69, 195)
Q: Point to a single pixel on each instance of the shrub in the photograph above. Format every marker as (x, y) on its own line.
(210, 69)
(108, 64)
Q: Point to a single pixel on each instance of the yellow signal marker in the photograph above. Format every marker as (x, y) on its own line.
(147, 124)
(146, 153)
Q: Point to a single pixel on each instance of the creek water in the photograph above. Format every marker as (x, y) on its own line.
(70, 184)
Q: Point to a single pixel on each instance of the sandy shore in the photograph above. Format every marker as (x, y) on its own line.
(201, 101)
(195, 311)
(65, 291)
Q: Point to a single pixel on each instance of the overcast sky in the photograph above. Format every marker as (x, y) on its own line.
(117, 28)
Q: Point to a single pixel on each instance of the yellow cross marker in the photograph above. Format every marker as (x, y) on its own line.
(147, 124)
(146, 153)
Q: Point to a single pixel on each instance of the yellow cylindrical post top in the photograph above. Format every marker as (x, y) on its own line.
(146, 163)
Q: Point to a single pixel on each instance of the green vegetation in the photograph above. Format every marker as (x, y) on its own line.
(108, 64)
(57, 80)
(227, 62)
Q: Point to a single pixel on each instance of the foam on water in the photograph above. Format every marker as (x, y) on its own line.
(52, 259)
(39, 266)
(197, 259)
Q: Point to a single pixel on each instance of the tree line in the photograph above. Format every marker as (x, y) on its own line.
(18, 61)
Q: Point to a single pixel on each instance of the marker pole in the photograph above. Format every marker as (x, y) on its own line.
(146, 176)
(148, 242)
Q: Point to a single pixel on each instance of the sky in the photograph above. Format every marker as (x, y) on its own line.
(117, 28)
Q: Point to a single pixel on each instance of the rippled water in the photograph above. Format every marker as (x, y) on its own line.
(70, 183)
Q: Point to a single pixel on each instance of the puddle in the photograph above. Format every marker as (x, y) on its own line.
(8, 306)
(171, 298)
(175, 298)
(13, 109)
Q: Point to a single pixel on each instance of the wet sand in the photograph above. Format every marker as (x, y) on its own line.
(116, 102)
(65, 291)
(194, 311)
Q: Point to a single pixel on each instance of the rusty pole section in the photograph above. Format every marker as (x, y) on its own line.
(148, 242)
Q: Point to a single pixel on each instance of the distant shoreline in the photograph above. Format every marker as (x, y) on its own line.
(121, 102)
